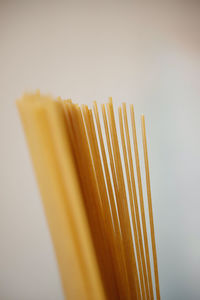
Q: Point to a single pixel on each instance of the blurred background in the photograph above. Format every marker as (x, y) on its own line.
(147, 54)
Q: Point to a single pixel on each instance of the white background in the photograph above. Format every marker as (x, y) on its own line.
(146, 55)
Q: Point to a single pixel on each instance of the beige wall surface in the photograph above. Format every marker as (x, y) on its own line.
(147, 55)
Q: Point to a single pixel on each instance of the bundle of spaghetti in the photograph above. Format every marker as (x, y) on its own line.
(96, 217)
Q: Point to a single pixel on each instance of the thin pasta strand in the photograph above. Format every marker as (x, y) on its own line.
(146, 246)
(135, 199)
(150, 207)
(131, 203)
(123, 209)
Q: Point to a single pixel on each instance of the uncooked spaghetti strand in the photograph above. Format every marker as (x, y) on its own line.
(91, 198)
(112, 165)
(109, 275)
(120, 261)
(110, 190)
(123, 208)
(144, 139)
(122, 288)
(141, 201)
(116, 187)
(140, 271)
(135, 198)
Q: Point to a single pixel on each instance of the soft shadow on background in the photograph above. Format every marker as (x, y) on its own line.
(148, 55)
